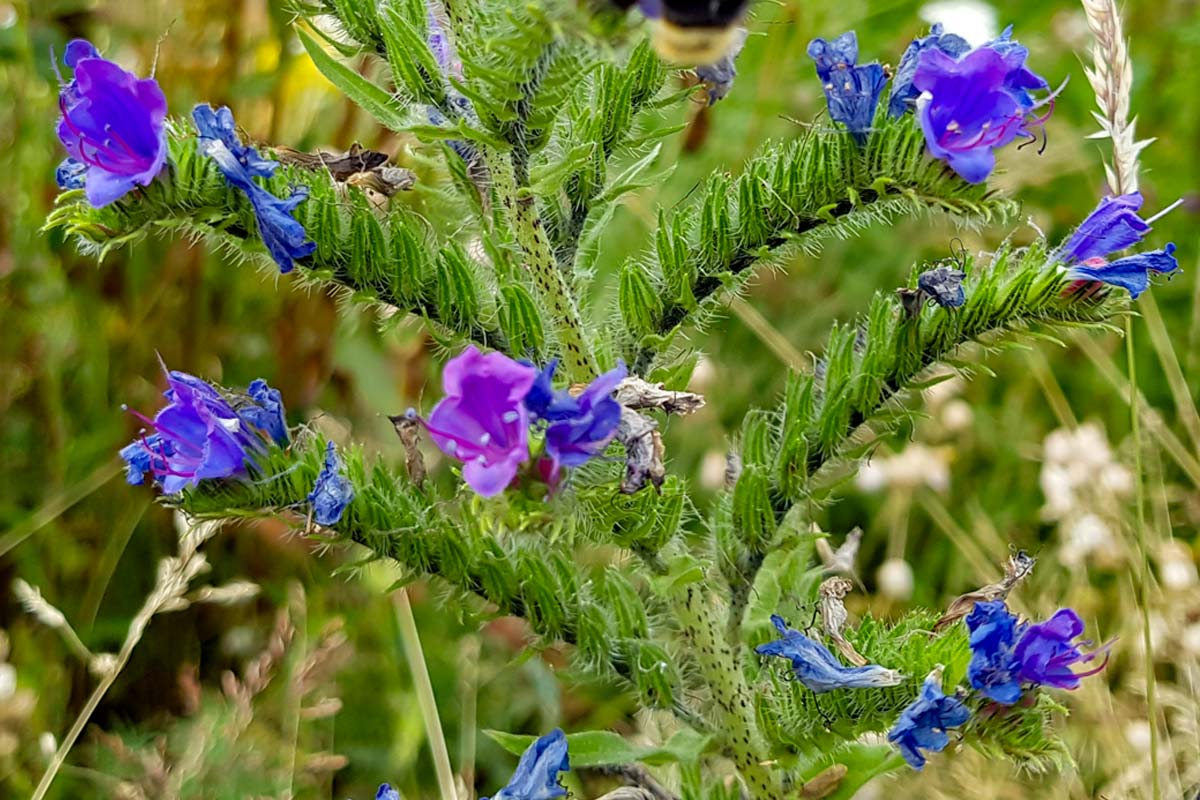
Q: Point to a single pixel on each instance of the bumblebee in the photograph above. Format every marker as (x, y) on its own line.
(692, 32)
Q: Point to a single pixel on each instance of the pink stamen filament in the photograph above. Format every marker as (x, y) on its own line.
(120, 160)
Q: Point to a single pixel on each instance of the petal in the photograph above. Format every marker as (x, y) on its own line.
(490, 480)
(103, 187)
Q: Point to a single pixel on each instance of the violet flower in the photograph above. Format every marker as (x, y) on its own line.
(112, 122)
(904, 94)
(994, 669)
(1047, 652)
(536, 776)
(482, 420)
(851, 91)
(1114, 225)
(197, 436)
(577, 428)
(332, 491)
(944, 285)
(817, 668)
(386, 792)
(975, 104)
(285, 238)
(923, 724)
(1131, 273)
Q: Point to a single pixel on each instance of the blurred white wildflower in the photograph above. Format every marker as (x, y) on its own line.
(1085, 487)
(712, 470)
(1084, 536)
(16, 705)
(1176, 566)
(895, 579)
(957, 416)
(915, 466)
(973, 20)
(703, 375)
(1137, 733)
(47, 745)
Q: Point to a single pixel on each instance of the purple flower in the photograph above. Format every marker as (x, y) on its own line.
(285, 238)
(112, 122)
(972, 105)
(1046, 652)
(817, 668)
(197, 436)
(578, 428)
(944, 285)
(536, 776)
(332, 491)
(386, 792)
(994, 669)
(1114, 225)
(923, 724)
(482, 420)
(903, 92)
(1131, 273)
(851, 92)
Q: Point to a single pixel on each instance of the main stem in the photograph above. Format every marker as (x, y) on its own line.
(1139, 483)
(539, 260)
(734, 707)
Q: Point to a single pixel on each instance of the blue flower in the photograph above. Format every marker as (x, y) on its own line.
(944, 285)
(332, 491)
(197, 436)
(266, 412)
(285, 238)
(972, 105)
(994, 669)
(71, 174)
(851, 92)
(536, 776)
(904, 94)
(578, 428)
(923, 724)
(386, 792)
(1114, 225)
(817, 668)
(112, 122)
(1131, 273)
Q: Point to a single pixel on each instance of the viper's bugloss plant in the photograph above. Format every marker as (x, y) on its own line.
(531, 126)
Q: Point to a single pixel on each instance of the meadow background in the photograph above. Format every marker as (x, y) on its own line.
(1037, 456)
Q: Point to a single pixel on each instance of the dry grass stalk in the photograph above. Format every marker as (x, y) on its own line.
(1111, 79)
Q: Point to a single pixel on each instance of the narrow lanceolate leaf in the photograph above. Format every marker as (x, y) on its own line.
(378, 102)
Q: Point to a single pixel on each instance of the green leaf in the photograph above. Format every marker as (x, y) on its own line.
(863, 763)
(637, 177)
(376, 101)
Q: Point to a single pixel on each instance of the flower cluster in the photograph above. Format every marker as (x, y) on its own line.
(969, 102)
(1007, 654)
(1115, 225)
(489, 404)
(111, 127)
(200, 434)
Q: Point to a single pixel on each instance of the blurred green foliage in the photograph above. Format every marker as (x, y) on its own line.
(81, 339)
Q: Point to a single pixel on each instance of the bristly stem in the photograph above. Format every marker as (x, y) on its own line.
(415, 656)
(543, 267)
(1139, 483)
